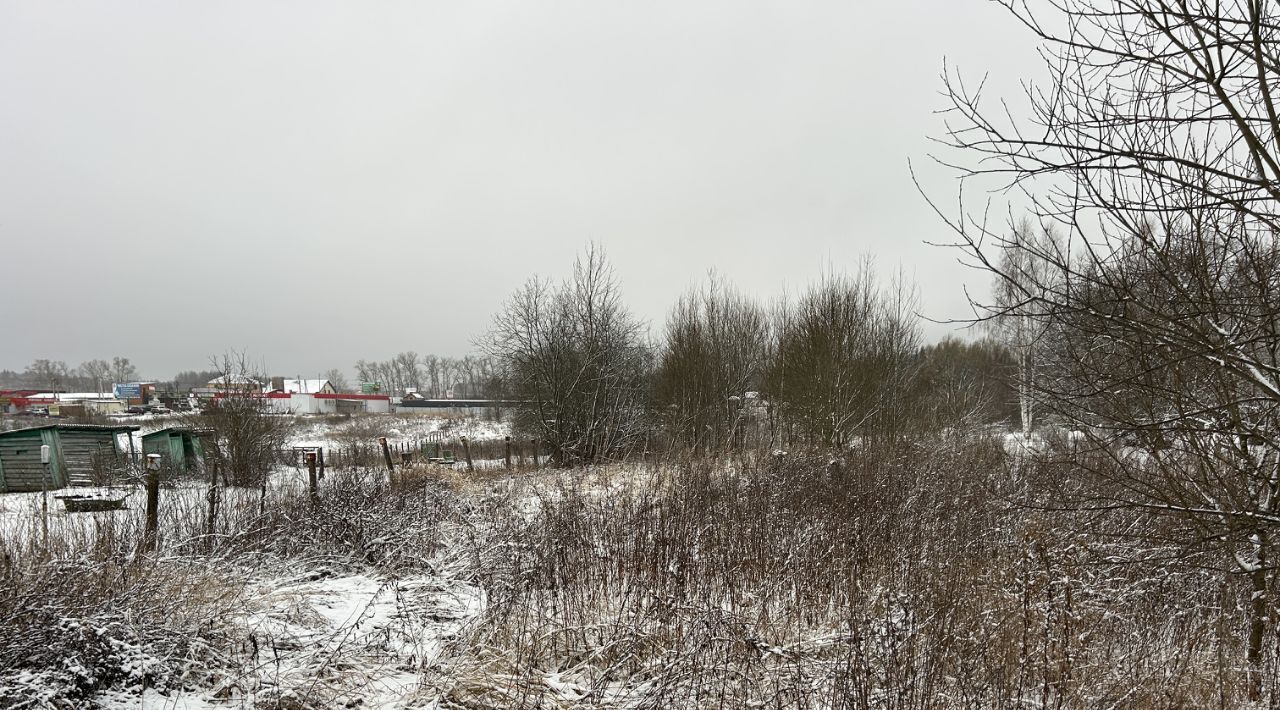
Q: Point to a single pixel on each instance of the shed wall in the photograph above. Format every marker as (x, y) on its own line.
(83, 452)
(21, 461)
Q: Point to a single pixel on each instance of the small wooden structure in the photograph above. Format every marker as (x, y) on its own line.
(76, 453)
(91, 503)
(180, 448)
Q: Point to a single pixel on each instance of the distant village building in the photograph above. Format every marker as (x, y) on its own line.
(328, 403)
(319, 386)
(60, 403)
(235, 383)
(12, 401)
(226, 384)
(135, 393)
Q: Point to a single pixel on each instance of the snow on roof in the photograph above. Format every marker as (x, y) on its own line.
(72, 396)
(304, 386)
(233, 380)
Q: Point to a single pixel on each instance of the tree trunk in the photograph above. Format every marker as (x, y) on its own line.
(213, 500)
(1257, 618)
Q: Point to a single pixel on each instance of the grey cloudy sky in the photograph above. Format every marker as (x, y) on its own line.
(316, 182)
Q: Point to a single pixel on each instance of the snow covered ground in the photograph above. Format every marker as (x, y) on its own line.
(324, 634)
(333, 641)
(318, 431)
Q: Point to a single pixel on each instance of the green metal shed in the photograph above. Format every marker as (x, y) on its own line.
(76, 451)
(179, 447)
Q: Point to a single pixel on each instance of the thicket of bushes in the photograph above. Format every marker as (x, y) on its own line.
(905, 577)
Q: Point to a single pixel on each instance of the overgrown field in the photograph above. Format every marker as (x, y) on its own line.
(912, 576)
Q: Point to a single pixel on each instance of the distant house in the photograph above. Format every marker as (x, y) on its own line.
(327, 403)
(235, 383)
(280, 384)
(76, 453)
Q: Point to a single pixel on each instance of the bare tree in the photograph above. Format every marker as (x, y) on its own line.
(1022, 335)
(845, 359)
(122, 370)
(188, 379)
(431, 367)
(575, 360)
(966, 383)
(365, 372)
(47, 373)
(96, 372)
(468, 376)
(1154, 150)
(337, 379)
(408, 370)
(716, 349)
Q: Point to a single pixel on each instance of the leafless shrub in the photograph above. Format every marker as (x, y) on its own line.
(845, 361)
(95, 619)
(716, 349)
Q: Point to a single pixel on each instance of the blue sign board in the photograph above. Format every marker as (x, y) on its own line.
(133, 391)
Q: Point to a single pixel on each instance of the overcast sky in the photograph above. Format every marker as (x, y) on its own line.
(316, 182)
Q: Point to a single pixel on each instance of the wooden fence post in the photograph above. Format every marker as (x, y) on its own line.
(150, 531)
(313, 483)
(508, 453)
(386, 454)
(533, 443)
(213, 500)
(466, 451)
(320, 456)
(46, 461)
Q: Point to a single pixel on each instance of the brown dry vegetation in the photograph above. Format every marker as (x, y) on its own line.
(906, 576)
(896, 578)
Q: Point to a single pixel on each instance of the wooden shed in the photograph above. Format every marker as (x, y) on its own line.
(179, 447)
(76, 452)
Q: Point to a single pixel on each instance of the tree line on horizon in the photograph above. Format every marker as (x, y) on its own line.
(844, 362)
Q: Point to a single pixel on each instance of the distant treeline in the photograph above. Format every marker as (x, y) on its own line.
(842, 363)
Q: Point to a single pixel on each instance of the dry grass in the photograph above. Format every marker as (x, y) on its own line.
(899, 577)
(88, 612)
(894, 578)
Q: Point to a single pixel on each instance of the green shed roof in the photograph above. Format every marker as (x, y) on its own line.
(108, 428)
